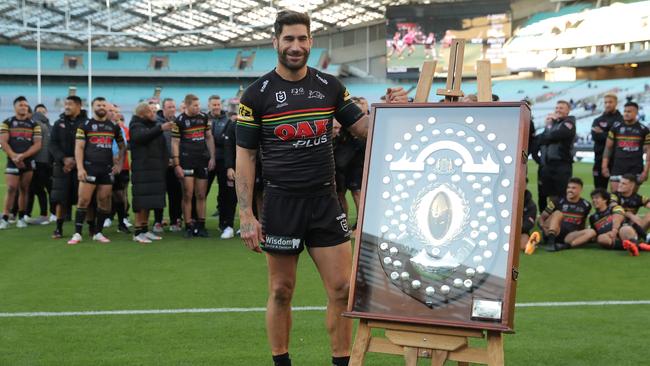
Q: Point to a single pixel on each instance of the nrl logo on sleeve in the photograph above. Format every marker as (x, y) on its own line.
(281, 96)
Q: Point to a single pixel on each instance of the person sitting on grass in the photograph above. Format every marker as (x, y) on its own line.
(565, 217)
(631, 202)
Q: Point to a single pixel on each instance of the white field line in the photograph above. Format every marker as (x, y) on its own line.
(298, 308)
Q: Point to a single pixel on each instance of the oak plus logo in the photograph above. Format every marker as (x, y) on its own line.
(305, 133)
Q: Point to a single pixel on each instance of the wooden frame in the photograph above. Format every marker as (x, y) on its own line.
(506, 323)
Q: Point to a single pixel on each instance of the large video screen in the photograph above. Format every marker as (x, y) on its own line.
(425, 32)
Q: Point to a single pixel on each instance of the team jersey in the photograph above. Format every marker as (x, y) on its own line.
(631, 203)
(629, 140)
(99, 136)
(574, 213)
(191, 130)
(603, 221)
(22, 133)
(291, 123)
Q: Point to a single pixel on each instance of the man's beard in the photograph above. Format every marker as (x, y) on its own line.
(100, 113)
(283, 58)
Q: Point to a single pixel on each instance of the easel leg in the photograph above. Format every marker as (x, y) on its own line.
(438, 357)
(360, 344)
(495, 348)
(410, 356)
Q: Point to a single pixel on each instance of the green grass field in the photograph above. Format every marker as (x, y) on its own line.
(38, 274)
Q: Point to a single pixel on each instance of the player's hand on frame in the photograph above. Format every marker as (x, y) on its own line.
(396, 95)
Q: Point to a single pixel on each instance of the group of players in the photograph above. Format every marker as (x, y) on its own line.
(621, 142)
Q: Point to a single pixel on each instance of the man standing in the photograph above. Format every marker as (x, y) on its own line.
(62, 141)
(565, 217)
(627, 141)
(226, 198)
(96, 167)
(20, 138)
(172, 182)
(149, 165)
(41, 186)
(288, 113)
(193, 157)
(599, 130)
(556, 161)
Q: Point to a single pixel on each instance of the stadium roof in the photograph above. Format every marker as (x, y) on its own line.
(169, 23)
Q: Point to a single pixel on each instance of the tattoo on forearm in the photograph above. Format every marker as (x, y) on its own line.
(242, 192)
(608, 152)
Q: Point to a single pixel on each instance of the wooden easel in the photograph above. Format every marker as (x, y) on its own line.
(420, 341)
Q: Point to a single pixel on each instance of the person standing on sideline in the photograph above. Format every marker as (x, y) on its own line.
(287, 114)
(96, 167)
(65, 185)
(556, 147)
(599, 130)
(149, 160)
(41, 186)
(20, 138)
(173, 184)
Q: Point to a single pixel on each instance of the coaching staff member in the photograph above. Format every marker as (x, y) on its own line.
(599, 131)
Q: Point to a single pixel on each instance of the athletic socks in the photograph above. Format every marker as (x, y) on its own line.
(140, 230)
(200, 223)
(5, 217)
(340, 361)
(101, 217)
(282, 360)
(22, 214)
(79, 219)
(92, 226)
(618, 245)
(158, 216)
(550, 239)
(59, 225)
(121, 212)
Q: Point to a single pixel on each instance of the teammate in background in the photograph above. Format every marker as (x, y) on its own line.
(607, 221)
(430, 46)
(174, 188)
(409, 43)
(20, 138)
(62, 141)
(121, 180)
(96, 167)
(529, 238)
(394, 45)
(193, 156)
(556, 160)
(565, 217)
(41, 185)
(631, 203)
(599, 131)
(627, 141)
(293, 131)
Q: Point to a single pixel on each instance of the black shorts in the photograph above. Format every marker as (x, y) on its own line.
(121, 181)
(196, 166)
(292, 222)
(99, 174)
(622, 169)
(349, 178)
(12, 169)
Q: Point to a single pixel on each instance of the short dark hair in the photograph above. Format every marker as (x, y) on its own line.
(632, 104)
(165, 101)
(98, 99)
(40, 105)
(74, 98)
(214, 96)
(564, 102)
(290, 17)
(602, 193)
(20, 99)
(630, 177)
(189, 99)
(576, 180)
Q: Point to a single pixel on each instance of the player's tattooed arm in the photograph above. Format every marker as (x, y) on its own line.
(607, 154)
(251, 230)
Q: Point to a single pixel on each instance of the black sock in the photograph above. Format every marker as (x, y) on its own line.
(189, 226)
(340, 361)
(550, 239)
(158, 216)
(5, 217)
(617, 244)
(200, 223)
(282, 360)
(21, 214)
(121, 213)
(139, 230)
(59, 225)
(79, 219)
(101, 217)
(92, 226)
(144, 228)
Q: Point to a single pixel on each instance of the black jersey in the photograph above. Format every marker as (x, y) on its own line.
(191, 130)
(629, 140)
(631, 203)
(603, 221)
(99, 136)
(574, 213)
(22, 133)
(291, 122)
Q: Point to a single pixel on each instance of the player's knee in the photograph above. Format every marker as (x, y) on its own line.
(12, 188)
(187, 195)
(281, 293)
(339, 293)
(200, 196)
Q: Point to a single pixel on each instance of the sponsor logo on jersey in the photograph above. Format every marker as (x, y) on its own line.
(346, 95)
(264, 84)
(322, 79)
(281, 96)
(297, 91)
(94, 127)
(315, 94)
(245, 111)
